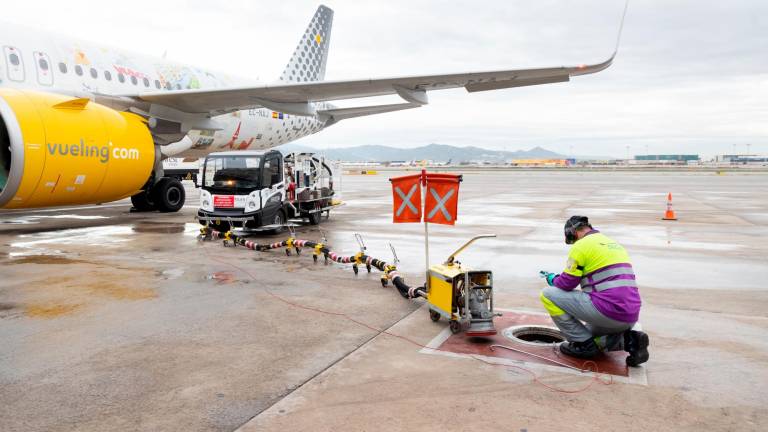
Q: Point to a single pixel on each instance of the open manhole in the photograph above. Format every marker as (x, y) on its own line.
(534, 335)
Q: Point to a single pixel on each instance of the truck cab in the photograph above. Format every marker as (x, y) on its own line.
(245, 188)
(257, 190)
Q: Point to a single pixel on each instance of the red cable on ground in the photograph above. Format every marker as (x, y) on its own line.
(587, 365)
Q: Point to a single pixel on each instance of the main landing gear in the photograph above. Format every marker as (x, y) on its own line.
(167, 196)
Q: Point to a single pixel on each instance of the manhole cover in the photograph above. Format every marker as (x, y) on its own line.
(534, 335)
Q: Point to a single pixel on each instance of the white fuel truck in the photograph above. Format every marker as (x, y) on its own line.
(263, 190)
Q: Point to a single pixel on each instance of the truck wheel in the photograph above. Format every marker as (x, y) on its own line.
(279, 220)
(142, 202)
(314, 218)
(169, 195)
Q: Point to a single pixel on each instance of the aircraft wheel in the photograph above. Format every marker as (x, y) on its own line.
(169, 195)
(143, 202)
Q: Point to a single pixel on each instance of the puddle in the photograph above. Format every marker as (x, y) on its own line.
(16, 222)
(159, 227)
(171, 274)
(45, 259)
(36, 219)
(96, 236)
(50, 311)
(121, 292)
(71, 216)
(192, 229)
(7, 306)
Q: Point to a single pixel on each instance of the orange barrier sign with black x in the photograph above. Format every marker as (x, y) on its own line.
(406, 198)
(441, 202)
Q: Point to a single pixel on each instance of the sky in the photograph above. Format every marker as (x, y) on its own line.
(691, 76)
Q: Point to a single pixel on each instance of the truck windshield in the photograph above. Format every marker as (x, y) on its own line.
(231, 173)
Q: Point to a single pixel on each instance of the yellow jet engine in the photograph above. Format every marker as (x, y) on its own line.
(58, 150)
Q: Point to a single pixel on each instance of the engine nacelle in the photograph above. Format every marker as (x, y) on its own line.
(56, 150)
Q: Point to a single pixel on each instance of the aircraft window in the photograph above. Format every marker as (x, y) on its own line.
(63, 67)
(107, 75)
(178, 86)
(168, 85)
(157, 84)
(134, 80)
(94, 73)
(121, 77)
(79, 70)
(146, 82)
(14, 59)
(43, 64)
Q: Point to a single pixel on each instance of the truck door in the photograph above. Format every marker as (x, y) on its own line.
(14, 63)
(273, 187)
(43, 66)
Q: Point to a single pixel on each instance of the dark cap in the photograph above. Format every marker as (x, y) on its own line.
(573, 224)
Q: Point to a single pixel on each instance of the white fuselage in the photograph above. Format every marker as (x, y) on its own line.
(32, 59)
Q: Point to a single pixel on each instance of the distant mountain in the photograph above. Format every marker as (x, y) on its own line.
(432, 152)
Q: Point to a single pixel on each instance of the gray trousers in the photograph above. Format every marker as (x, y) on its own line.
(578, 319)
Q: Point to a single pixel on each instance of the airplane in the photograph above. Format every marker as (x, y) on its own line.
(82, 123)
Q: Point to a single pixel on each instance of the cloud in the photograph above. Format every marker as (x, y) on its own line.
(690, 76)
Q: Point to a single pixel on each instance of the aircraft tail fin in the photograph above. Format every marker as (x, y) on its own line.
(311, 54)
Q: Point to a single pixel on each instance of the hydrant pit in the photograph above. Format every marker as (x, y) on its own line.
(538, 335)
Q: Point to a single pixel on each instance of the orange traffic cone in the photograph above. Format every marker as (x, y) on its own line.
(669, 214)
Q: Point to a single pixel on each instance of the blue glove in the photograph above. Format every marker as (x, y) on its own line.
(550, 277)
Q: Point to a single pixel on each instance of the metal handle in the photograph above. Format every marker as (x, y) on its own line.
(395, 259)
(360, 242)
(459, 250)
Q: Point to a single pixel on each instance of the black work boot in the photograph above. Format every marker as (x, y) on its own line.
(585, 350)
(636, 344)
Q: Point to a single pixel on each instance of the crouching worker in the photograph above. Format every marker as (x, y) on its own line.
(599, 316)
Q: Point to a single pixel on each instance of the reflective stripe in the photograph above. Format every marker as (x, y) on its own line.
(552, 308)
(610, 284)
(616, 271)
(598, 280)
(615, 284)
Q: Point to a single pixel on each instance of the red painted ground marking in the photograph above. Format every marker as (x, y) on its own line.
(611, 363)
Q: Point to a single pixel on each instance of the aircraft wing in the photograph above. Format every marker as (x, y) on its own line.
(297, 97)
(339, 114)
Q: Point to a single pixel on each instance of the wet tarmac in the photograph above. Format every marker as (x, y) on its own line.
(111, 320)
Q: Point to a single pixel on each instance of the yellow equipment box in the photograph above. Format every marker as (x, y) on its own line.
(462, 296)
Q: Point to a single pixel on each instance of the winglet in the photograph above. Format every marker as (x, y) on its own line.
(621, 29)
(584, 69)
(75, 104)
